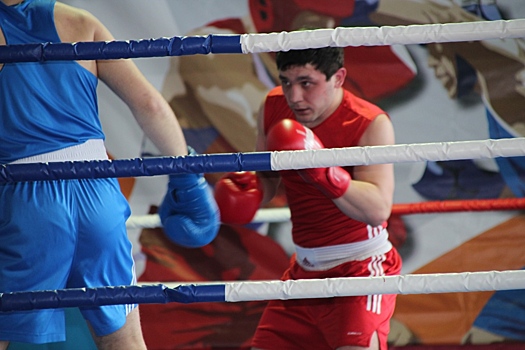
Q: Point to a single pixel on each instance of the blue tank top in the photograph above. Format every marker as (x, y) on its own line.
(46, 106)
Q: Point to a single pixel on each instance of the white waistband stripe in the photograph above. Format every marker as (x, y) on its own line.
(324, 258)
(89, 150)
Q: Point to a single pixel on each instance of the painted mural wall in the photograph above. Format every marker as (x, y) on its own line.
(433, 93)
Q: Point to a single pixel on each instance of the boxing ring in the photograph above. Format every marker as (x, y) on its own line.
(271, 161)
(283, 160)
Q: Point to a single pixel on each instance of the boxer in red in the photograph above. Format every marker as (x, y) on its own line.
(338, 214)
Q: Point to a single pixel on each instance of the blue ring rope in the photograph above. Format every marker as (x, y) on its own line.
(203, 163)
(265, 42)
(78, 297)
(262, 161)
(269, 290)
(105, 50)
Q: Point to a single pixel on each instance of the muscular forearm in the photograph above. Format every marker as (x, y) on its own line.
(151, 111)
(161, 126)
(365, 202)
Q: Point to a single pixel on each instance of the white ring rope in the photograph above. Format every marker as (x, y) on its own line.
(386, 35)
(143, 221)
(354, 286)
(261, 216)
(365, 156)
(403, 153)
(403, 284)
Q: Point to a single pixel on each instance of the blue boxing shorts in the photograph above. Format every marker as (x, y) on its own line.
(63, 234)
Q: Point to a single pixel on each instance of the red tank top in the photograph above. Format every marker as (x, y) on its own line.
(317, 222)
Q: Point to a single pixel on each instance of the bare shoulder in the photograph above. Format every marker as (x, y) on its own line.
(74, 24)
(78, 25)
(379, 132)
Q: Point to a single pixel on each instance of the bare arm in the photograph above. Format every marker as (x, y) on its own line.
(370, 194)
(150, 109)
(270, 179)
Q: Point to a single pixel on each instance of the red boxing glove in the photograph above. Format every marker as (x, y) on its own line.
(238, 196)
(290, 135)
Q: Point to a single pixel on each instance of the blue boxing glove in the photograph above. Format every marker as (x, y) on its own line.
(189, 213)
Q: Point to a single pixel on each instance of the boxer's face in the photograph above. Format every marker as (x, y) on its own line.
(310, 96)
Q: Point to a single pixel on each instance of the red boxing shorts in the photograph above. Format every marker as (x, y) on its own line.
(330, 323)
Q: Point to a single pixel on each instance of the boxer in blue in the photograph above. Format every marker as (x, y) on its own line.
(72, 233)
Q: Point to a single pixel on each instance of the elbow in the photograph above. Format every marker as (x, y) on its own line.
(155, 104)
(150, 106)
(379, 216)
